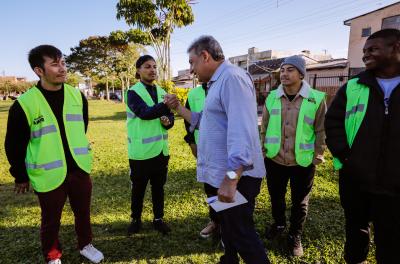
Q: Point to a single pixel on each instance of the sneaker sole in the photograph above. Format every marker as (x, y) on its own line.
(205, 235)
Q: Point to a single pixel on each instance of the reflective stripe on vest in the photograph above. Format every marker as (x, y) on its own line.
(45, 159)
(356, 107)
(74, 117)
(196, 100)
(146, 138)
(43, 131)
(46, 166)
(305, 134)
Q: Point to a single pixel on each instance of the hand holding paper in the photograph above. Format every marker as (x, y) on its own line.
(220, 206)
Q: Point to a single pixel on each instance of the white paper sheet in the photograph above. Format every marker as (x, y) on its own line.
(220, 206)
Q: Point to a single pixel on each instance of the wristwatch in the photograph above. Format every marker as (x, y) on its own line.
(232, 175)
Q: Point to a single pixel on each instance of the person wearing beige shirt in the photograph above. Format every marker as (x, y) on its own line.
(287, 163)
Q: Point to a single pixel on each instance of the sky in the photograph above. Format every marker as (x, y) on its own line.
(292, 25)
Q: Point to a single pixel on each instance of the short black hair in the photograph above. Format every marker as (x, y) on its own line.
(36, 55)
(141, 61)
(209, 44)
(391, 35)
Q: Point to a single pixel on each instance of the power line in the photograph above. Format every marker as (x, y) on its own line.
(319, 15)
(232, 20)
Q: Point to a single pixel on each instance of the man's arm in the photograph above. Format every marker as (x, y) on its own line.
(85, 111)
(143, 111)
(320, 145)
(336, 138)
(189, 137)
(238, 101)
(192, 117)
(16, 143)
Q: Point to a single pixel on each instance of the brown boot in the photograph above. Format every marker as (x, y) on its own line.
(295, 247)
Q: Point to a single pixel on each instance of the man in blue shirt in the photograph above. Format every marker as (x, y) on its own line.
(229, 155)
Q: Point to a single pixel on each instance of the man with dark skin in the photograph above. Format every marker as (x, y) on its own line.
(362, 127)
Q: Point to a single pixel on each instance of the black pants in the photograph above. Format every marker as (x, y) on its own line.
(301, 182)
(361, 208)
(155, 170)
(211, 191)
(237, 227)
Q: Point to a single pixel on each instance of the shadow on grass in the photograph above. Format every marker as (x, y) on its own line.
(186, 214)
(4, 108)
(116, 117)
(19, 244)
(323, 234)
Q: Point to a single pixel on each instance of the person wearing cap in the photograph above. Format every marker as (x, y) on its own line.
(293, 136)
(47, 148)
(148, 121)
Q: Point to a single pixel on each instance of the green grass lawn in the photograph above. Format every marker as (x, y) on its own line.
(185, 207)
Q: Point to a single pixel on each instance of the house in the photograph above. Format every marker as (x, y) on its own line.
(12, 79)
(362, 26)
(184, 79)
(253, 55)
(328, 76)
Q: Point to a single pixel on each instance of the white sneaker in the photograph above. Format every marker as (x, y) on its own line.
(54, 261)
(92, 254)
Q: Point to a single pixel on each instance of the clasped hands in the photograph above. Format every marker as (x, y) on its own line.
(171, 101)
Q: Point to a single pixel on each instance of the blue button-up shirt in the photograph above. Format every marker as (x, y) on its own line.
(228, 127)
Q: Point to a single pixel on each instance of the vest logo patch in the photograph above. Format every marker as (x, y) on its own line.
(311, 100)
(38, 120)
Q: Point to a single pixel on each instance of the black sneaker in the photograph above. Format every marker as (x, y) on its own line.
(161, 226)
(135, 226)
(274, 230)
(295, 247)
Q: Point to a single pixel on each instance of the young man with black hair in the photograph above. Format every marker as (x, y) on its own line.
(47, 148)
(148, 121)
(362, 127)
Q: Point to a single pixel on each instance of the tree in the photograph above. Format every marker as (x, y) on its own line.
(125, 65)
(74, 78)
(105, 58)
(92, 58)
(155, 20)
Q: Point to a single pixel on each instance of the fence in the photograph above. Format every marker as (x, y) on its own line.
(327, 84)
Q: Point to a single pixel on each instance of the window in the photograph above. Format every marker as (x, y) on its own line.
(391, 22)
(366, 32)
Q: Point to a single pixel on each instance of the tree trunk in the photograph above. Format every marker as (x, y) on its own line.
(107, 93)
(169, 59)
(122, 90)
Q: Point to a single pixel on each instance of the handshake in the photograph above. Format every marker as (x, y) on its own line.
(171, 101)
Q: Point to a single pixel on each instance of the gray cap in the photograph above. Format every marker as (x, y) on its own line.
(298, 62)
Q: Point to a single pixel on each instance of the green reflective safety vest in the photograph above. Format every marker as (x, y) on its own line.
(196, 99)
(305, 134)
(146, 138)
(356, 107)
(45, 158)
